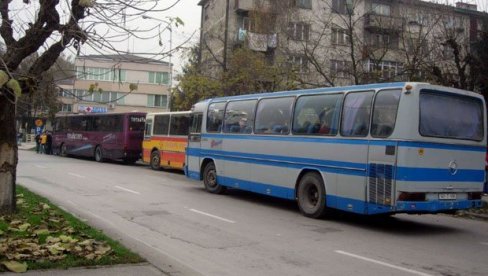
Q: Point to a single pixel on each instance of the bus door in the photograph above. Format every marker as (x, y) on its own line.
(382, 156)
(192, 169)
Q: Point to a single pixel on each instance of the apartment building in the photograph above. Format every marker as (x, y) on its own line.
(341, 42)
(103, 85)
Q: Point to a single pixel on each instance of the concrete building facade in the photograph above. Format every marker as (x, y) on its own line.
(104, 84)
(341, 42)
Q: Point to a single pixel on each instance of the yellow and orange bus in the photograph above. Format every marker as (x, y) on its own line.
(165, 139)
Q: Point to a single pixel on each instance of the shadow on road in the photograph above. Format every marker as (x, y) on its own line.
(396, 224)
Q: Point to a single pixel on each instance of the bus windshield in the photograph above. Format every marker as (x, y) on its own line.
(449, 115)
(137, 122)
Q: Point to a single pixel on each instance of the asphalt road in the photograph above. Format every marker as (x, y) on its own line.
(183, 230)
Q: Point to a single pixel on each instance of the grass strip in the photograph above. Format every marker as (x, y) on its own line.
(40, 235)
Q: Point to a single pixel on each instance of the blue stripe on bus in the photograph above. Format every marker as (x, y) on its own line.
(347, 168)
(347, 141)
(348, 204)
(314, 91)
(256, 187)
(431, 174)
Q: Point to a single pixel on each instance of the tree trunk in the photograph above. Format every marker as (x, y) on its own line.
(8, 153)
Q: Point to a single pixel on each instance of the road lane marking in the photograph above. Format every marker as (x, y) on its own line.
(484, 243)
(127, 190)
(41, 167)
(76, 175)
(382, 263)
(212, 216)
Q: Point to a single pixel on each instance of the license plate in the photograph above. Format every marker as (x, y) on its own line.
(447, 196)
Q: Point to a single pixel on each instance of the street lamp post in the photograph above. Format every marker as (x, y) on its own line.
(170, 55)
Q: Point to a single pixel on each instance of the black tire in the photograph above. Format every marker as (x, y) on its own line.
(99, 154)
(311, 196)
(62, 151)
(155, 161)
(210, 179)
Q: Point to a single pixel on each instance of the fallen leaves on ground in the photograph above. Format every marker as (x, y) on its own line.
(51, 240)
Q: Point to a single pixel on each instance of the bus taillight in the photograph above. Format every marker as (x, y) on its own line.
(404, 196)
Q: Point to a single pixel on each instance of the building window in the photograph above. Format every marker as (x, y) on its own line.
(100, 74)
(66, 108)
(304, 4)
(158, 77)
(381, 9)
(299, 62)
(342, 6)
(156, 100)
(388, 69)
(299, 31)
(383, 41)
(339, 37)
(339, 68)
(66, 93)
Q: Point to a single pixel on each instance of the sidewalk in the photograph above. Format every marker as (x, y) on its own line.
(27, 146)
(145, 269)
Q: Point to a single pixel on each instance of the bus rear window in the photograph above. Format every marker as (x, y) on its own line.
(448, 115)
(137, 123)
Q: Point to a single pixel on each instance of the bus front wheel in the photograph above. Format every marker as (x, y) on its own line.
(98, 154)
(210, 179)
(311, 196)
(63, 151)
(155, 160)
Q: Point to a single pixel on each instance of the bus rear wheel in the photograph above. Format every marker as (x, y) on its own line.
(63, 151)
(311, 196)
(155, 160)
(98, 154)
(210, 179)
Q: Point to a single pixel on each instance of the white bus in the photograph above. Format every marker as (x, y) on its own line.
(368, 149)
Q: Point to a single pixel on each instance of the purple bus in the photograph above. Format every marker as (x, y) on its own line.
(115, 136)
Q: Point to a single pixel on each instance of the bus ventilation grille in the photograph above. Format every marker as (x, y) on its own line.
(380, 182)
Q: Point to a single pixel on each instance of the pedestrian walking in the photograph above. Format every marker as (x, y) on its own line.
(43, 142)
(38, 142)
(49, 143)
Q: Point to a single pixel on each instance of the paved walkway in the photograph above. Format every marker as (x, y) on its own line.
(144, 269)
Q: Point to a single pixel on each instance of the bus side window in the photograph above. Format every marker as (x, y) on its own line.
(239, 116)
(148, 128)
(317, 114)
(385, 113)
(356, 114)
(215, 116)
(273, 115)
(161, 124)
(196, 123)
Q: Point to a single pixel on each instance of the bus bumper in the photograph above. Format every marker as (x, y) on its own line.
(436, 206)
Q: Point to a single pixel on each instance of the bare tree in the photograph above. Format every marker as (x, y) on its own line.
(48, 27)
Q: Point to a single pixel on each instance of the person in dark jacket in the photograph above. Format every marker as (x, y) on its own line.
(49, 143)
(38, 142)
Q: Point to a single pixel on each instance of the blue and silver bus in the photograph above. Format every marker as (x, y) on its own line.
(369, 149)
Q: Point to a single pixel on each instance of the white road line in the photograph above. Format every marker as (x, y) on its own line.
(484, 243)
(382, 263)
(41, 167)
(127, 190)
(76, 175)
(212, 216)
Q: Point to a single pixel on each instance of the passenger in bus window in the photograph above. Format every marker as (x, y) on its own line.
(243, 128)
(325, 121)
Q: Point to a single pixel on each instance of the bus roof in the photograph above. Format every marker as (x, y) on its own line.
(316, 90)
(168, 112)
(101, 114)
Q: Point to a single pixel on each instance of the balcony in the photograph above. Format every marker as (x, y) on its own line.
(244, 6)
(383, 23)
